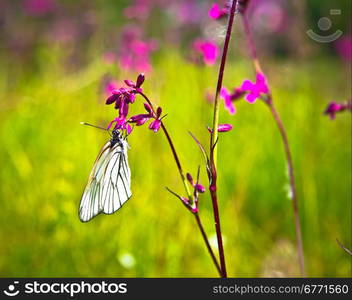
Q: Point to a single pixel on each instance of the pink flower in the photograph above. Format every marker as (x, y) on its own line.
(139, 119)
(143, 118)
(39, 7)
(224, 93)
(140, 10)
(229, 98)
(109, 57)
(335, 107)
(216, 13)
(124, 96)
(255, 89)
(343, 47)
(197, 186)
(110, 86)
(156, 124)
(135, 51)
(186, 12)
(136, 85)
(121, 124)
(208, 49)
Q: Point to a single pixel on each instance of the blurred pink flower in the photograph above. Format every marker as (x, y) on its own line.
(227, 101)
(39, 7)
(208, 49)
(215, 12)
(135, 52)
(268, 16)
(186, 12)
(255, 89)
(229, 98)
(109, 86)
(335, 107)
(343, 47)
(109, 57)
(139, 9)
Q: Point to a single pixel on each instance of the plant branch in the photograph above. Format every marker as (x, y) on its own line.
(214, 133)
(292, 187)
(214, 138)
(280, 125)
(171, 144)
(206, 240)
(183, 177)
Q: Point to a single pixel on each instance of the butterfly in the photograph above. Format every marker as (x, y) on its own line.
(109, 183)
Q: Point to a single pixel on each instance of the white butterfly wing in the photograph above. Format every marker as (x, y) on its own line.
(109, 184)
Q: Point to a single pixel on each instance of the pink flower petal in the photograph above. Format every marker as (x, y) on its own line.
(224, 93)
(247, 85)
(128, 128)
(155, 125)
(229, 106)
(260, 77)
(215, 11)
(208, 49)
(251, 97)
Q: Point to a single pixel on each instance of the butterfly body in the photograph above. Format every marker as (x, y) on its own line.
(117, 139)
(109, 183)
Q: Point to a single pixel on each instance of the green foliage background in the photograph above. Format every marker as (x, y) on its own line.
(46, 156)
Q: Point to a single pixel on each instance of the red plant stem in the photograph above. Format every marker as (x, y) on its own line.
(179, 167)
(213, 140)
(284, 137)
(210, 250)
(218, 232)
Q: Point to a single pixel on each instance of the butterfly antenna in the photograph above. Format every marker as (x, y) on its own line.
(84, 123)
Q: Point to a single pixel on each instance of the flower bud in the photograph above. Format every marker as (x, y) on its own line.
(199, 188)
(224, 127)
(158, 112)
(129, 83)
(189, 178)
(140, 80)
(112, 99)
(148, 108)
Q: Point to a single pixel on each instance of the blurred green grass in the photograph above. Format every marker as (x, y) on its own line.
(46, 156)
